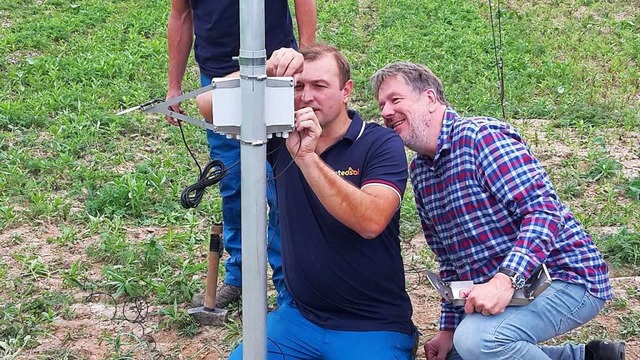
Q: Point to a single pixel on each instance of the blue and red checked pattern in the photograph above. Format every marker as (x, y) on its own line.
(485, 202)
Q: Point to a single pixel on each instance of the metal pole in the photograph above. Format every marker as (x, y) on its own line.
(253, 134)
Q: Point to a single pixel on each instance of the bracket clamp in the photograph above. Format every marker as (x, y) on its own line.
(253, 142)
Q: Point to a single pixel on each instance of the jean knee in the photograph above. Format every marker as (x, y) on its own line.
(472, 343)
(586, 310)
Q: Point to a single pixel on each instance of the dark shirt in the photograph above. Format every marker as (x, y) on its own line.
(338, 279)
(217, 31)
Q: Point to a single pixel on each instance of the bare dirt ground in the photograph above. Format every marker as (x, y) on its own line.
(85, 334)
(86, 331)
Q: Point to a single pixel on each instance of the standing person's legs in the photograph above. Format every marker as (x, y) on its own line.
(515, 333)
(228, 151)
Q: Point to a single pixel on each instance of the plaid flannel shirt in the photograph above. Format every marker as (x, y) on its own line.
(486, 202)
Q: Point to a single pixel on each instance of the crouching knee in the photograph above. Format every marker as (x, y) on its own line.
(472, 339)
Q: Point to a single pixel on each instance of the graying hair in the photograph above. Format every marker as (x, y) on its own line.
(418, 76)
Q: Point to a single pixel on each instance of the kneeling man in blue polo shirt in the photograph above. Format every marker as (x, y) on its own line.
(339, 182)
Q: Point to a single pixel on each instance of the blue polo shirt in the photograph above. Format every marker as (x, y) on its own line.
(216, 24)
(338, 279)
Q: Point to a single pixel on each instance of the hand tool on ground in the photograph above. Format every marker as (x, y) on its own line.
(208, 314)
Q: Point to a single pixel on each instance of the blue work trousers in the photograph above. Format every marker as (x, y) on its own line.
(515, 333)
(228, 151)
(291, 336)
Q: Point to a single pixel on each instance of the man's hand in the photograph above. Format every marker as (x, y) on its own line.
(175, 107)
(439, 346)
(304, 139)
(489, 298)
(285, 62)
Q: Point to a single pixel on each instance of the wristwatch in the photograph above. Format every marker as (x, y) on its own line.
(517, 280)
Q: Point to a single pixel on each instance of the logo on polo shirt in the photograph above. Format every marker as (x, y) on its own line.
(349, 172)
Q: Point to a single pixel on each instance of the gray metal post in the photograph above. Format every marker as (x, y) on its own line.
(253, 134)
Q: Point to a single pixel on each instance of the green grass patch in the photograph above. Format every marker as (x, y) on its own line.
(621, 248)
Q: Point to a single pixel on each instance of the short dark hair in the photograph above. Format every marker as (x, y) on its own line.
(317, 50)
(418, 76)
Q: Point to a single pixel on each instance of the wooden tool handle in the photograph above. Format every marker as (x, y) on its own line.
(213, 261)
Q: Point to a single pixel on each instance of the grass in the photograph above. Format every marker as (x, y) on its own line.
(75, 179)
(622, 248)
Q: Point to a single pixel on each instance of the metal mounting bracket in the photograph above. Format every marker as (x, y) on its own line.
(226, 105)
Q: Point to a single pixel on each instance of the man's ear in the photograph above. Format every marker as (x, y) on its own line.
(430, 100)
(346, 91)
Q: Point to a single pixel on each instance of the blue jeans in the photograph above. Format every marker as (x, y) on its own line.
(515, 333)
(291, 336)
(228, 151)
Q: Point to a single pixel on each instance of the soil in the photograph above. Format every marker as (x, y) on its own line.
(94, 320)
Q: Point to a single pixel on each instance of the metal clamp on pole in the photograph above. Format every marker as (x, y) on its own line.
(254, 143)
(252, 64)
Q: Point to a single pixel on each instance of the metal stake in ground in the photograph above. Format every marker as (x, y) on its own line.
(208, 314)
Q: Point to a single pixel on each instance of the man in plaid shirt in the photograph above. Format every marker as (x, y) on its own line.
(491, 215)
